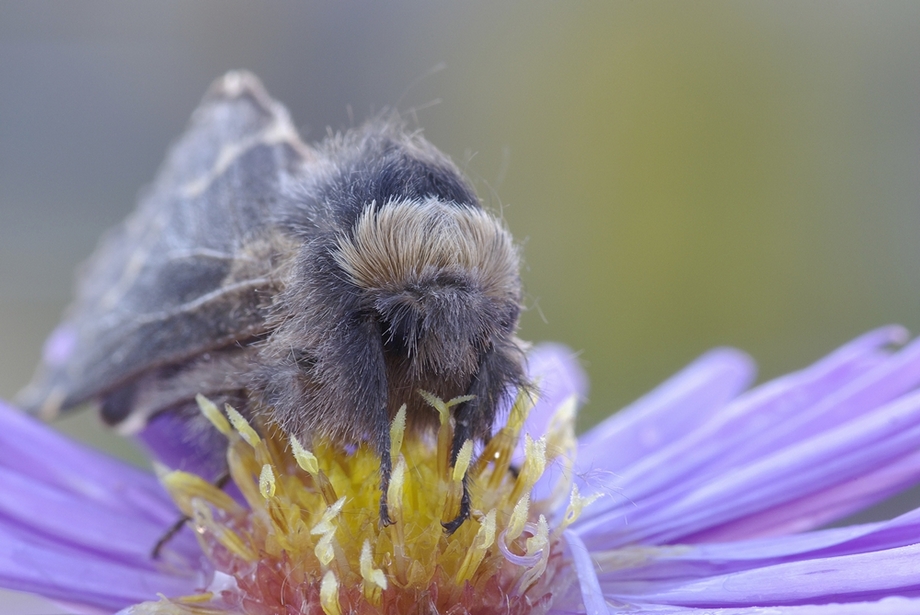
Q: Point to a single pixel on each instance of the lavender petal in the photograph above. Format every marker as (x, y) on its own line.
(672, 409)
(32, 449)
(856, 577)
(723, 445)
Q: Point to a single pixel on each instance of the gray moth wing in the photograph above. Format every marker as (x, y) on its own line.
(189, 271)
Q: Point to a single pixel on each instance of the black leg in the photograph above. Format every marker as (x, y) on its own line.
(174, 529)
(473, 419)
(386, 468)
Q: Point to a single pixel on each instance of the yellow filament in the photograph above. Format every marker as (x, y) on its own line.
(204, 520)
(373, 577)
(484, 539)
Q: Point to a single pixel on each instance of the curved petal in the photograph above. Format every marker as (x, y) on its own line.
(643, 569)
(591, 594)
(848, 578)
(78, 526)
(32, 449)
(672, 409)
(882, 437)
(893, 605)
(730, 439)
(557, 375)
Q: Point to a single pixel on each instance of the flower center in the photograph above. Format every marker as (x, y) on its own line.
(310, 540)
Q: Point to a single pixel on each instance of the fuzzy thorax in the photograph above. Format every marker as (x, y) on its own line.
(402, 243)
(308, 540)
(442, 278)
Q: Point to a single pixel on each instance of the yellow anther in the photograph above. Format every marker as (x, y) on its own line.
(532, 470)
(213, 414)
(186, 488)
(462, 399)
(538, 543)
(463, 461)
(325, 529)
(305, 459)
(397, 431)
(372, 576)
(193, 598)
(518, 518)
(395, 490)
(325, 549)
(329, 594)
(561, 429)
(267, 481)
(577, 503)
(325, 524)
(540, 539)
(242, 426)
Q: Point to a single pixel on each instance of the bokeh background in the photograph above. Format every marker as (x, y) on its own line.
(681, 175)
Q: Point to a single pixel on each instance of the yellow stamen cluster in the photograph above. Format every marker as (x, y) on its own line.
(309, 540)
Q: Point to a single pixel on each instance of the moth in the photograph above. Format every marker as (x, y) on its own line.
(321, 285)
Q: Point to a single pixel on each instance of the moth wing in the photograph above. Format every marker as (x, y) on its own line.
(186, 272)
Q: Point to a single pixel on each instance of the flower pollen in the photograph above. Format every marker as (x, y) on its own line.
(309, 540)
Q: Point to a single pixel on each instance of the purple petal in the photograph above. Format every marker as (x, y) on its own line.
(73, 520)
(857, 577)
(640, 569)
(81, 576)
(558, 376)
(725, 447)
(671, 410)
(78, 526)
(32, 449)
(591, 594)
(821, 506)
(893, 605)
(169, 438)
(882, 437)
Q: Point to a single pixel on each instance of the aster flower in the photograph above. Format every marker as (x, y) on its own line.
(700, 497)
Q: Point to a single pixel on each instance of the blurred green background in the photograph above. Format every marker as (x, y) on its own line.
(681, 174)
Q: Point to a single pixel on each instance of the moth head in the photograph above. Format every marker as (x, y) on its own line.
(441, 278)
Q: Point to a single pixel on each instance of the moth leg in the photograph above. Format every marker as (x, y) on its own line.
(386, 469)
(474, 418)
(463, 431)
(174, 529)
(367, 376)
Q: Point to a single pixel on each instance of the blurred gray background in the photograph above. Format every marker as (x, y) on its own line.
(681, 175)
